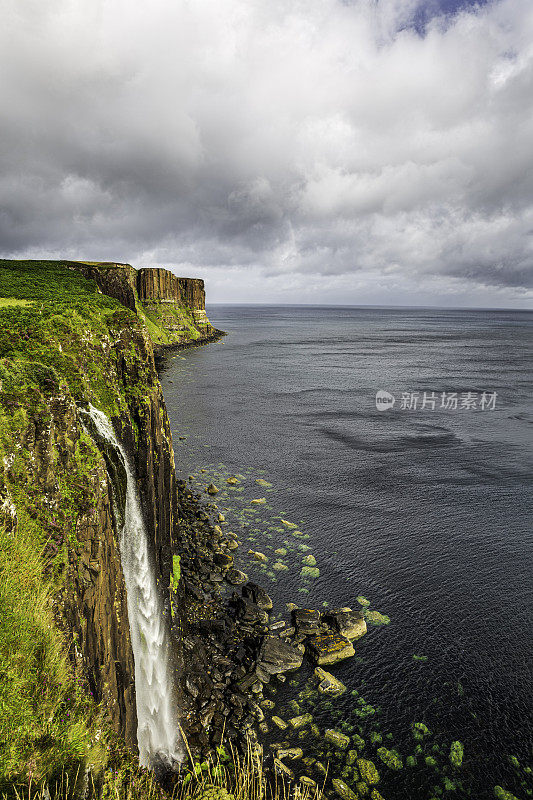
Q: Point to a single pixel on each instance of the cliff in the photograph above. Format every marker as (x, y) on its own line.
(172, 308)
(71, 335)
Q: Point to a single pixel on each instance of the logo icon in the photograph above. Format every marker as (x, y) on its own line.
(384, 400)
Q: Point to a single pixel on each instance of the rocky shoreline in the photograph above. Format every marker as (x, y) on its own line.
(234, 658)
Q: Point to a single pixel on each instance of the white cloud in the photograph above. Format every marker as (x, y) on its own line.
(292, 141)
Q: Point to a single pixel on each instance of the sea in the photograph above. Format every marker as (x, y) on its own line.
(421, 508)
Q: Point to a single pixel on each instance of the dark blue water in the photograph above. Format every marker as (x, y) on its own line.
(426, 513)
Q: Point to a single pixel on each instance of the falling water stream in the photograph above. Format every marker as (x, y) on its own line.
(157, 724)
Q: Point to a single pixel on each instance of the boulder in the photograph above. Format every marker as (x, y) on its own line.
(282, 770)
(342, 790)
(368, 771)
(301, 721)
(236, 577)
(329, 648)
(339, 740)
(277, 655)
(223, 560)
(306, 620)
(258, 556)
(350, 624)
(290, 752)
(249, 612)
(258, 595)
(328, 684)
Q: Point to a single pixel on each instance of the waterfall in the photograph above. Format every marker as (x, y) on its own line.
(157, 724)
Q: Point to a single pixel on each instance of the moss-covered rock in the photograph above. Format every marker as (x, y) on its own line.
(391, 758)
(368, 771)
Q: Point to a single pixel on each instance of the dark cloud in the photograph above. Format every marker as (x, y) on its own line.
(304, 150)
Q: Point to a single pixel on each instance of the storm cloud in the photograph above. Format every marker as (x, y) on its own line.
(295, 150)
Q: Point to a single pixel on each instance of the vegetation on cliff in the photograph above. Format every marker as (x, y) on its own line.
(64, 344)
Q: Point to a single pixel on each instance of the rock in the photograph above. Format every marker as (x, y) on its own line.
(269, 704)
(279, 723)
(277, 655)
(257, 595)
(292, 753)
(236, 577)
(339, 740)
(309, 561)
(310, 572)
(233, 544)
(367, 770)
(391, 758)
(362, 601)
(329, 648)
(320, 768)
(282, 770)
(328, 684)
(456, 754)
(375, 795)
(223, 560)
(276, 626)
(351, 758)
(503, 794)
(420, 730)
(261, 482)
(232, 480)
(375, 618)
(301, 721)
(279, 566)
(343, 790)
(307, 782)
(258, 556)
(306, 620)
(350, 624)
(249, 612)
(281, 551)
(212, 489)
(288, 524)
(259, 501)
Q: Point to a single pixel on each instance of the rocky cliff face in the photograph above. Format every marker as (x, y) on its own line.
(54, 470)
(173, 308)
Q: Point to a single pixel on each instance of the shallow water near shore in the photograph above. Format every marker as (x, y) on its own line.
(425, 513)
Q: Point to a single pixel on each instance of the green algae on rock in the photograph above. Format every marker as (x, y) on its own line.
(391, 758)
(368, 771)
(376, 618)
(456, 754)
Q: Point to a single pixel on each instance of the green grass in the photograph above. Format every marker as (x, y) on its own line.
(47, 722)
(6, 302)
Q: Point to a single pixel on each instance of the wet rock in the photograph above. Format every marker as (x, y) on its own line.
(223, 560)
(257, 595)
(456, 754)
(232, 480)
(233, 544)
(249, 612)
(310, 572)
(236, 577)
(376, 619)
(277, 656)
(350, 624)
(392, 759)
(339, 740)
(328, 684)
(279, 723)
(291, 753)
(282, 770)
(300, 721)
(342, 790)
(258, 556)
(290, 525)
(212, 489)
(306, 620)
(329, 649)
(320, 768)
(368, 771)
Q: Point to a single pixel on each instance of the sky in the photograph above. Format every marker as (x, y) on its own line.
(286, 151)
